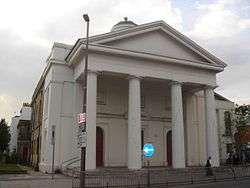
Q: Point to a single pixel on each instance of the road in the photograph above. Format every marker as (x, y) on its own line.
(227, 184)
(44, 181)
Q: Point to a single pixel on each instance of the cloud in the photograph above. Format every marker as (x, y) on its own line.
(103, 15)
(21, 66)
(150, 11)
(219, 21)
(7, 104)
(28, 30)
(223, 30)
(44, 21)
(234, 80)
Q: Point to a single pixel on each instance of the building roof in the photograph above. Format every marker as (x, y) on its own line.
(220, 97)
(139, 29)
(43, 75)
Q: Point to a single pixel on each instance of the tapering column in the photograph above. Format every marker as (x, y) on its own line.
(211, 127)
(91, 121)
(134, 124)
(178, 148)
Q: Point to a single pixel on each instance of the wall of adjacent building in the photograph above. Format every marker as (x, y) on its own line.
(36, 126)
(24, 133)
(57, 111)
(13, 133)
(25, 113)
(221, 107)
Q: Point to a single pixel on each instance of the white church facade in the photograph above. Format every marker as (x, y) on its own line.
(146, 84)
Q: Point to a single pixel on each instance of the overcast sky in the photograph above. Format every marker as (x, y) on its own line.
(28, 29)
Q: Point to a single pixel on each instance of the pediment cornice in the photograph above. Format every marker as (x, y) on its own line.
(149, 27)
(96, 48)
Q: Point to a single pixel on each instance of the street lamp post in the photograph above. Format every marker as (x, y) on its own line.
(83, 148)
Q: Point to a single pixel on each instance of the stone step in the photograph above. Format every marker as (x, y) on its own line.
(153, 170)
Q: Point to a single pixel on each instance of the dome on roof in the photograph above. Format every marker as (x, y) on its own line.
(123, 25)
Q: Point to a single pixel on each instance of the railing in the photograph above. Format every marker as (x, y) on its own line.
(70, 161)
(67, 170)
(158, 177)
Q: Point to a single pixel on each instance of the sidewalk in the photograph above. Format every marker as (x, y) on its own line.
(34, 180)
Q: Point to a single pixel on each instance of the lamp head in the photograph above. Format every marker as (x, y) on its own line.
(86, 17)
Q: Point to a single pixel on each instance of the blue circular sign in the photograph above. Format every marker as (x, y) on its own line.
(148, 150)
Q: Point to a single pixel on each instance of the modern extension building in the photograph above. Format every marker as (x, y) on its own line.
(13, 133)
(146, 84)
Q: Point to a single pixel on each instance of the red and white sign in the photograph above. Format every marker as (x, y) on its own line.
(81, 118)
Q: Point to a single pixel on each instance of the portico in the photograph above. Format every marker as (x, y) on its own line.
(146, 84)
(135, 119)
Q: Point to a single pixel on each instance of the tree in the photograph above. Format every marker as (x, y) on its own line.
(241, 112)
(4, 136)
(241, 117)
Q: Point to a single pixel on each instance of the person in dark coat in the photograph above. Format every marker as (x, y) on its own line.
(209, 171)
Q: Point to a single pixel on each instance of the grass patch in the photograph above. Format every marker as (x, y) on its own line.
(11, 169)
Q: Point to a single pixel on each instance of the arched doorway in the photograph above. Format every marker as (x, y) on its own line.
(99, 146)
(169, 148)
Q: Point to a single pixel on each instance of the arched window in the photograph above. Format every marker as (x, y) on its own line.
(228, 123)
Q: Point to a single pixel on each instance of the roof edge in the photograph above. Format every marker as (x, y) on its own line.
(97, 39)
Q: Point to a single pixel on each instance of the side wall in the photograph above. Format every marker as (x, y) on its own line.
(58, 112)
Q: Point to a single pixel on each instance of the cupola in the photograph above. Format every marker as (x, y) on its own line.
(123, 25)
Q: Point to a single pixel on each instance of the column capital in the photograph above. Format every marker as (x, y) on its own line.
(134, 77)
(93, 72)
(210, 87)
(173, 82)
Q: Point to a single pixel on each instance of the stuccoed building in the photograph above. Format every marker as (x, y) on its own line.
(226, 127)
(36, 126)
(146, 84)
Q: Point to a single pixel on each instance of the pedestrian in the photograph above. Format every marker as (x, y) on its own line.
(209, 171)
(229, 158)
(235, 159)
(244, 163)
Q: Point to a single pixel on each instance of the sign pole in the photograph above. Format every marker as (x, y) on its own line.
(148, 175)
(83, 147)
(148, 151)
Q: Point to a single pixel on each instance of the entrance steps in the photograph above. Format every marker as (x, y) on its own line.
(72, 171)
(121, 176)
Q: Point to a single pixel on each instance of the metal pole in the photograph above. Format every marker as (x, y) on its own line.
(53, 159)
(83, 149)
(148, 175)
(53, 150)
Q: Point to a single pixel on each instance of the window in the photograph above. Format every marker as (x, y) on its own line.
(46, 104)
(228, 123)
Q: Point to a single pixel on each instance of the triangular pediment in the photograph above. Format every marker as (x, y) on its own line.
(155, 38)
(158, 43)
